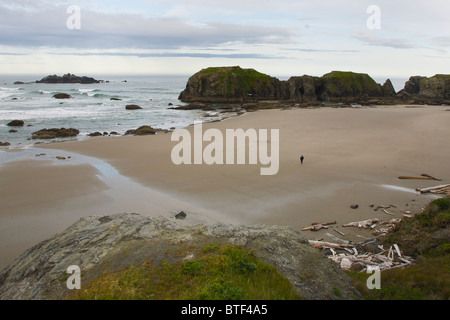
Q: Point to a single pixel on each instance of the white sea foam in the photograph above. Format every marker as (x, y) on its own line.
(91, 109)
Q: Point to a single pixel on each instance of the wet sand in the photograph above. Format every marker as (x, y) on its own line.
(352, 156)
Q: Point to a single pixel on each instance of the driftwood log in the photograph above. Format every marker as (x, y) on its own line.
(366, 224)
(442, 189)
(316, 226)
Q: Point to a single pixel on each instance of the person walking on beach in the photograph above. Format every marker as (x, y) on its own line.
(301, 159)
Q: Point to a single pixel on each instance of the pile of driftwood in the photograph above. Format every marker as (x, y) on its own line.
(387, 225)
(362, 255)
(442, 189)
(355, 257)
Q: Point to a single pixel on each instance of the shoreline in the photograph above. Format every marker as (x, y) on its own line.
(108, 175)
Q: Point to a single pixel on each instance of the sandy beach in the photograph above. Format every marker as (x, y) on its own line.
(352, 156)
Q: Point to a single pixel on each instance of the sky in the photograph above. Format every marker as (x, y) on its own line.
(282, 38)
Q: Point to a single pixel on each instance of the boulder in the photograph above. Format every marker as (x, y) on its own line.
(95, 134)
(181, 215)
(4, 144)
(55, 133)
(141, 131)
(62, 96)
(132, 107)
(16, 123)
(19, 82)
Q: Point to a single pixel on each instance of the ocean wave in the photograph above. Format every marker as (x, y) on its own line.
(7, 92)
(84, 90)
(100, 95)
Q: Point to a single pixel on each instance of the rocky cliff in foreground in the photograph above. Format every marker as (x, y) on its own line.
(238, 85)
(96, 244)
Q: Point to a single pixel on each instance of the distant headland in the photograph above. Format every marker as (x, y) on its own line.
(68, 78)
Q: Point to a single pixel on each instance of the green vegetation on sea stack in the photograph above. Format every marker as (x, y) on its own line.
(218, 272)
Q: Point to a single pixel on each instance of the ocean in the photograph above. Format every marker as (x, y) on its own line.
(91, 109)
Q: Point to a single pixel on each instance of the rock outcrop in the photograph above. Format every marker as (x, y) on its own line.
(55, 133)
(132, 107)
(230, 84)
(436, 87)
(423, 90)
(96, 244)
(337, 85)
(234, 84)
(68, 78)
(237, 85)
(141, 131)
(16, 123)
(62, 96)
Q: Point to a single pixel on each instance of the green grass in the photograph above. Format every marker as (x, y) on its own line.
(424, 234)
(352, 83)
(218, 273)
(429, 279)
(238, 81)
(425, 237)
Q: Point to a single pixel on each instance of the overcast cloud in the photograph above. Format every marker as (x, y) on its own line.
(174, 36)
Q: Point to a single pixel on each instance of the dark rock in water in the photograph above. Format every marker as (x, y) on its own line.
(115, 99)
(98, 244)
(141, 131)
(68, 78)
(194, 106)
(16, 123)
(113, 133)
(55, 133)
(19, 82)
(181, 215)
(62, 96)
(12, 131)
(132, 107)
(170, 104)
(94, 134)
(4, 144)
